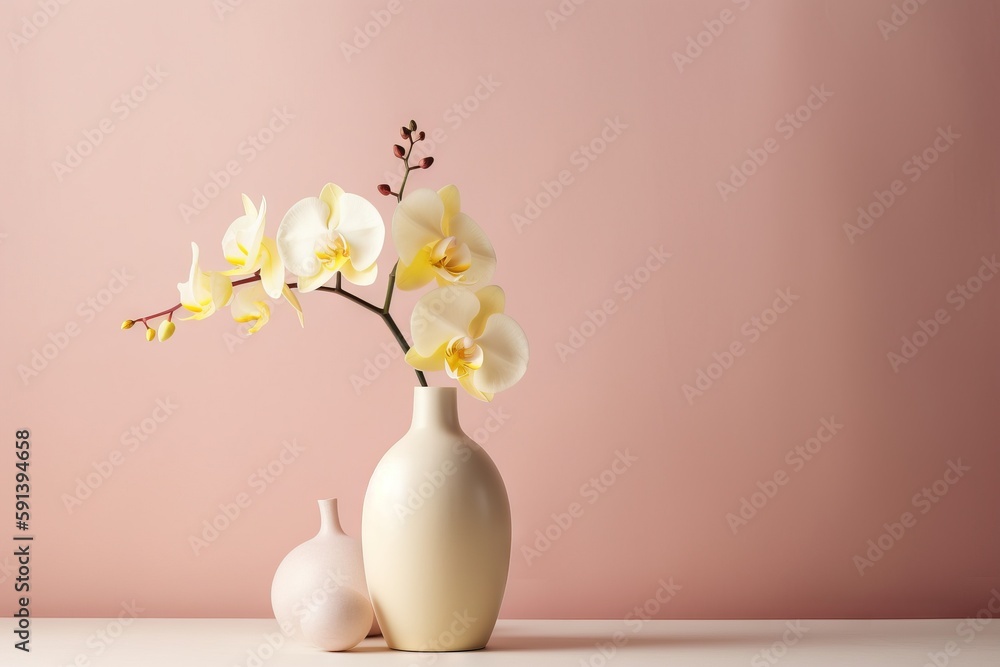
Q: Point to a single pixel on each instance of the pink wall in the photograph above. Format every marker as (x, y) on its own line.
(554, 87)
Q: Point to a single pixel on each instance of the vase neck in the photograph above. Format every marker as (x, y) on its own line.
(435, 407)
(329, 517)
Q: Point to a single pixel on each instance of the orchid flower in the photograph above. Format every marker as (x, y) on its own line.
(205, 291)
(336, 231)
(436, 241)
(466, 334)
(247, 249)
(252, 305)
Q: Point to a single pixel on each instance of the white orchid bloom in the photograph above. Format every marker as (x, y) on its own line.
(252, 304)
(435, 240)
(466, 334)
(336, 231)
(246, 248)
(205, 291)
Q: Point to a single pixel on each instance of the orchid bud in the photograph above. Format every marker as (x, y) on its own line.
(413, 126)
(421, 135)
(166, 330)
(384, 189)
(398, 151)
(128, 324)
(425, 163)
(404, 132)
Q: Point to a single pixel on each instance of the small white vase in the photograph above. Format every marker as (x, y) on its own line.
(314, 571)
(436, 534)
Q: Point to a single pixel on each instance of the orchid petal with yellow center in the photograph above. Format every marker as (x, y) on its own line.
(467, 335)
(241, 242)
(337, 231)
(253, 304)
(205, 291)
(436, 241)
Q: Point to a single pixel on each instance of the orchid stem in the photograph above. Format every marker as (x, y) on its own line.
(383, 313)
(337, 289)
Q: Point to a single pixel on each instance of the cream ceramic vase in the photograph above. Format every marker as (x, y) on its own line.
(436, 534)
(311, 577)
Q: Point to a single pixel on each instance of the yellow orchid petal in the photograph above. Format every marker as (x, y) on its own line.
(434, 362)
(417, 222)
(366, 277)
(491, 302)
(362, 227)
(483, 260)
(250, 305)
(272, 269)
(301, 231)
(416, 275)
(329, 196)
(468, 383)
(221, 289)
(248, 207)
(294, 300)
(309, 283)
(452, 206)
(205, 291)
(505, 354)
(241, 242)
(440, 316)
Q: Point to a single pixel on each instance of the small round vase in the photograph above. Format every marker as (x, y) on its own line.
(436, 533)
(314, 571)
